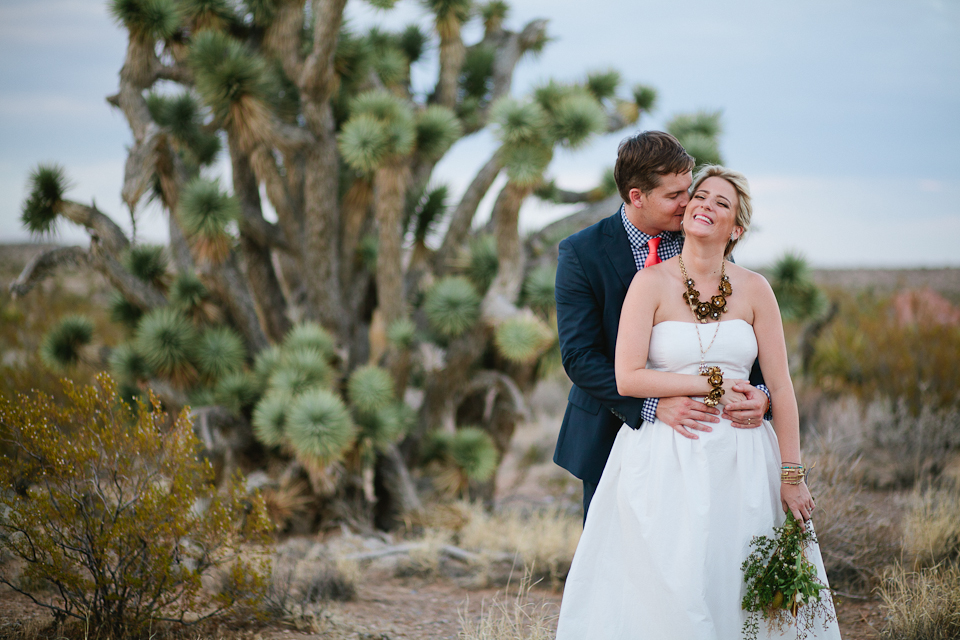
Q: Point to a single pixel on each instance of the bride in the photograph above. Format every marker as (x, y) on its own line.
(672, 518)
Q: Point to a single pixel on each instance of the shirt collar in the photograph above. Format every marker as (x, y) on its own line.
(639, 237)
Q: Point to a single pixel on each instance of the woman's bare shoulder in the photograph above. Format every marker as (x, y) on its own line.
(754, 281)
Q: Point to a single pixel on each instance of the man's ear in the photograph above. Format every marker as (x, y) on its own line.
(636, 198)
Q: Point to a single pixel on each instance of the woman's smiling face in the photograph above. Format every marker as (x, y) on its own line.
(712, 209)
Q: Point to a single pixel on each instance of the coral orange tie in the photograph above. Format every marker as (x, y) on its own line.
(652, 257)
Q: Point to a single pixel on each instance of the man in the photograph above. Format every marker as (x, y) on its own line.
(596, 265)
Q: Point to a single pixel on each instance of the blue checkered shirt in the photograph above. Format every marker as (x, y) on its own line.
(670, 245)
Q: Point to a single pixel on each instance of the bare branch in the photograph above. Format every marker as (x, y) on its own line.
(462, 218)
(499, 302)
(110, 235)
(282, 37)
(175, 73)
(318, 77)
(44, 265)
(143, 294)
(551, 234)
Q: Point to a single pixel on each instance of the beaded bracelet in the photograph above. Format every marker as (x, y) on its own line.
(792, 474)
(715, 378)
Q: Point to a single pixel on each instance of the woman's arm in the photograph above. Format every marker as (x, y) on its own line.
(772, 346)
(633, 343)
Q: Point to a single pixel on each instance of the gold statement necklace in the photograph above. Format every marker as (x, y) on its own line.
(703, 311)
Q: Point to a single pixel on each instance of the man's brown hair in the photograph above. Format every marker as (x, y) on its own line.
(644, 158)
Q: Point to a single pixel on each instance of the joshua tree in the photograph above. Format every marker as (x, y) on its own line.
(314, 326)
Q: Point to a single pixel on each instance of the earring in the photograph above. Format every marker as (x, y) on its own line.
(733, 236)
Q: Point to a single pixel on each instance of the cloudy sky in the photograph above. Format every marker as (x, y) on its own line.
(844, 114)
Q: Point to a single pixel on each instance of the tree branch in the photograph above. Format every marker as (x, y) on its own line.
(44, 265)
(112, 237)
(462, 218)
(318, 77)
(143, 294)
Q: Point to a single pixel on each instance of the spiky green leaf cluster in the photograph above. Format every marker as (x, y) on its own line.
(219, 352)
(370, 389)
(437, 129)
(797, 294)
(181, 114)
(238, 391)
(449, 11)
(301, 370)
(267, 361)
(521, 339)
(60, 347)
(381, 126)
(576, 118)
(156, 19)
(429, 212)
(518, 121)
(413, 42)
(474, 452)
(706, 123)
(367, 252)
(384, 426)
(493, 14)
(270, 418)
(206, 13)
(645, 97)
(167, 341)
(226, 71)
(603, 84)
(128, 365)
(262, 11)
(124, 312)
(402, 333)
(309, 335)
(187, 292)
(477, 72)
(205, 209)
(148, 262)
(538, 288)
(318, 425)
(452, 306)
(698, 133)
(40, 210)
(483, 262)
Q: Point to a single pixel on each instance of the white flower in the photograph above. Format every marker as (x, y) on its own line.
(799, 598)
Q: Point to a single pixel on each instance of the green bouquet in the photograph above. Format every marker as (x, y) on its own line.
(782, 584)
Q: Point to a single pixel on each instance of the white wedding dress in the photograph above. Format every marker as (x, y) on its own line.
(672, 518)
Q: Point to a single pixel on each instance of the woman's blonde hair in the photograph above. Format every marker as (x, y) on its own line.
(742, 187)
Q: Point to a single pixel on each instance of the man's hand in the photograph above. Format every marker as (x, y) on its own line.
(684, 414)
(748, 413)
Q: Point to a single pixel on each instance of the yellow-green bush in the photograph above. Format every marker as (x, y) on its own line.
(867, 350)
(111, 507)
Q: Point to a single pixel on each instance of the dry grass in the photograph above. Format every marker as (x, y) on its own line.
(519, 618)
(545, 539)
(932, 530)
(857, 539)
(922, 606)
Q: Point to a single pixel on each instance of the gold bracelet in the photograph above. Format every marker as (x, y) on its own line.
(794, 475)
(715, 378)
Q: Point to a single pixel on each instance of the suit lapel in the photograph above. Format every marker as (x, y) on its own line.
(617, 247)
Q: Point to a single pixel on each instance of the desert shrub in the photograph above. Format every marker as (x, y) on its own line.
(858, 540)
(932, 531)
(543, 540)
(111, 507)
(870, 351)
(519, 618)
(922, 606)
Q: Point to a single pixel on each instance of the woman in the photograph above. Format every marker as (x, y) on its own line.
(673, 517)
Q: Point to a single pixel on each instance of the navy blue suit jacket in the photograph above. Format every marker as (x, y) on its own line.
(594, 271)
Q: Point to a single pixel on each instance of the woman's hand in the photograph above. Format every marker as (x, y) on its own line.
(729, 395)
(796, 498)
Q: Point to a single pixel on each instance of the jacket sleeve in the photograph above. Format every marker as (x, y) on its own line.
(582, 347)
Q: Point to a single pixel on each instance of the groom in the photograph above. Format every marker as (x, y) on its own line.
(596, 265)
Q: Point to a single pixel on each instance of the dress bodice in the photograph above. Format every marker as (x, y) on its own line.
(674, 347)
